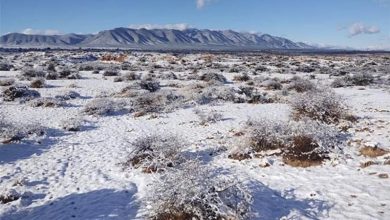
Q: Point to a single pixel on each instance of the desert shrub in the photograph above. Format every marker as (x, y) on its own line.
(156, 152)
(272, 84)
(261, 69)
(16, 132)
(95, 72)
(46, 102)
(86, 68)
(22, 93)
(131, 76)
(72, 124)
(9, 196)
(52, 76)
(208, 77)
(268, 135)
(118, 79)
(209, 117)
(29, 73)
(37, 83)
(111, 72)
(301, 85)
(302, 143)
(157, 102)
(51, 67)
(150, 85)
(305, 69)
(68, 95)
(217, 93)
(242, 77)
(195, 191)
(7, 82)
(103, 106)
(67, 73)
(322, 105)
(169, 76)
(358, 79)
(5, 67)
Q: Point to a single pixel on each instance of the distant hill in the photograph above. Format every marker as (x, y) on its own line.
(155, 39)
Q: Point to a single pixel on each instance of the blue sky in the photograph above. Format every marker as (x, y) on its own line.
(352, 23)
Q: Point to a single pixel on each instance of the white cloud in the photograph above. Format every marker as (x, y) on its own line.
(31, 31)
(201, 3)
(179, 26)
(360, 28)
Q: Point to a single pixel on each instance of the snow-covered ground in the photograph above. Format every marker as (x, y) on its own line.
(80, 175)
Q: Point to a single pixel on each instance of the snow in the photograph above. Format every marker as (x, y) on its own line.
(80, 175)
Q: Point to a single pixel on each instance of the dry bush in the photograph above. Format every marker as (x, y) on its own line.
(37, 83)
(104, 106)
(373, 151)
(21, 93)
(322, 105)
(242, 77)
(72, 124)
(272, 84)
(208, 77)
(157, 102)
(131, 76)
(268, 135)
(111, 72)
(209, 117)
(7, 82)
(68, 95)
(156, 152)
(301, 85)
(28, 74)
(196, 191)
(213, 94)
(301, 143)
(150, 85)
(5, 67)
(46, 102)
(10, 132)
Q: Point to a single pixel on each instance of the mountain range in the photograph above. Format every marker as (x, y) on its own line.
(154, 39)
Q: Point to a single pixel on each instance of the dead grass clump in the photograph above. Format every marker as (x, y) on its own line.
(372, 151)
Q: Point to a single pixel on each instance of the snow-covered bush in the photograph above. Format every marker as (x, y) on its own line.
(208, 117)
(272, 84)
(16, 132)
(103, 106)
(301, 85)
(196, 191)
(37, 83)
(7, 82)
(29, 73)
(5, 67)
(52, 76)
(242, 77)
(268, 134)
(22, 93)
(211, 76)
(9, 196)
(323, 105)
(357, 79)
(131, 76)
(111, 72)
(164, 101)
(156, 152)
(150, 85)
(72, 124)
(46, 102)
(67, 73)
(68, 95)
(302, 143)
(217, 93)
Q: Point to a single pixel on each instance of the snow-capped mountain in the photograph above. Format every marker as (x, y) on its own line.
(155, 39)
